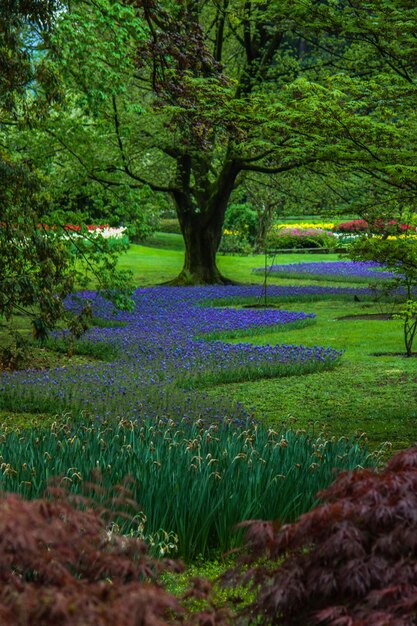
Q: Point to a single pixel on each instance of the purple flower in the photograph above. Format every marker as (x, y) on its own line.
(161, 351)
(338, 269)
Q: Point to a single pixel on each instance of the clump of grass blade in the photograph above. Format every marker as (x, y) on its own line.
(194, 480)
(247, 372)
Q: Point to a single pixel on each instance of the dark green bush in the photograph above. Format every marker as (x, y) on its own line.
(297, 238)
(234, 242)
(243, 219)
(169, 225)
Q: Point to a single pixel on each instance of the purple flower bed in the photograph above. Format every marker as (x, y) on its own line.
(159, 356)
(339, 269)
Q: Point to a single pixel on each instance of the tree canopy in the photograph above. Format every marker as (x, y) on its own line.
(188, 100)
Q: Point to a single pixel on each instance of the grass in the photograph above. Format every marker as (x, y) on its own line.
(365, 394)
(374, 395)
(58, 351)
(318, 277)
(211, 570)
(100, 350)
(255, 332)
(165, 241)
(153, 265)
(53, 353)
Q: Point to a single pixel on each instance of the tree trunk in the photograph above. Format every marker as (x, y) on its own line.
(201, 217)
(201, 239)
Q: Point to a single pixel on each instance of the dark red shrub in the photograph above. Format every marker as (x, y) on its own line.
(353, 226)
(350, 562)
(59, 566)
(391, 227)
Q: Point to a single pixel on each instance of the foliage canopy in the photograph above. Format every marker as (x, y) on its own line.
(190, 98)
(38, 267)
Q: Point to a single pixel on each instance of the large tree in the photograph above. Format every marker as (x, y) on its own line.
(188, 97)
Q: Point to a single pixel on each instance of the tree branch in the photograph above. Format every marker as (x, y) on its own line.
(277, 170)
(220, 24)
(247, 36)
(106, 181)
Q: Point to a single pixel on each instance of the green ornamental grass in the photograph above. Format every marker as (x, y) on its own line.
(193, 480)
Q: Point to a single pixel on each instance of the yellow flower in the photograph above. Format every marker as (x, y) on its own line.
(320, 225)
(394, 237)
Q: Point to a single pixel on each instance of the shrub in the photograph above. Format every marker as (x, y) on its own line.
(58, 565)
(170, 225)
(378, 226)
(242, 218)
(234, 242)
(354, 226)
(391, 227)
(352, 561)
(15, 354)
(399, 255)
(298, 238)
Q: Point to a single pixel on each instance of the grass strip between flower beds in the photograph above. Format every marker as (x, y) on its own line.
(274, 300)
(325, 277)
(98, 350)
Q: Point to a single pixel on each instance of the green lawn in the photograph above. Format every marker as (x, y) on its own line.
(161, 259)
(376, 395)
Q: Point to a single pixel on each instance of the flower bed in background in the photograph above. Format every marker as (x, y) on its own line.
(88, 233)
(351, 271)
(299, 238)
(353, 226)
(378, 226)
(115, 238)
(306, 225)
(100, 230)
(104, 230)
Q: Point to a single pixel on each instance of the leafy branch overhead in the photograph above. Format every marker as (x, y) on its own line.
(41, 263)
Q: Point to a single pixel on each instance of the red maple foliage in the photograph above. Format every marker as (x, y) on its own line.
(58, 565)
(352, 561)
